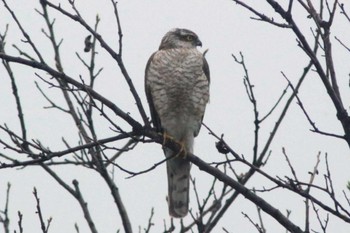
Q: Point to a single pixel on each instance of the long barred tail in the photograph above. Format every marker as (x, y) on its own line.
(178, 170)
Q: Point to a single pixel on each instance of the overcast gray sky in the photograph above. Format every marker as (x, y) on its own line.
(225, 29)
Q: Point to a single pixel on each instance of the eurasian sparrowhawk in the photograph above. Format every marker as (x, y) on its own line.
(177, 89)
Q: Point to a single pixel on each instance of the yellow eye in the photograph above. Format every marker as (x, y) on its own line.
(189, 38)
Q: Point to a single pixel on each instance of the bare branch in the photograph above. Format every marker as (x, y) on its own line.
(116, 56)
(14, 88)
(346, 47)
(76, 194)
(48, 155)
(150, 223)
(315, 129)
(249, 89)
(44, 227)
(261, 16)
(20, 218)
(265, 206)
(341, 5)
(133, 174)
(120, 33)
(25, 34)
(4, 215)
(75, 83)
(256, 225)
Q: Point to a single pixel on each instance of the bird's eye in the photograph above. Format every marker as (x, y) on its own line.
(189, 38)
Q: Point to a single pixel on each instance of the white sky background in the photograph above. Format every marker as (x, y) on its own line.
(223, 27)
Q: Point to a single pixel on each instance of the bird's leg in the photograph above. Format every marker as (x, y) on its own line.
(182, 152)
(166, 137)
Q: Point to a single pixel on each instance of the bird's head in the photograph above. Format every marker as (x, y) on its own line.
(180, 38)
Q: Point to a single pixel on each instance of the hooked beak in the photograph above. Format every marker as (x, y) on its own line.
(199, 43)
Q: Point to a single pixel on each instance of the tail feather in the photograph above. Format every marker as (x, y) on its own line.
(178, 170)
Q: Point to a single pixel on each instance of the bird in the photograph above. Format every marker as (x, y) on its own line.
(177, 82)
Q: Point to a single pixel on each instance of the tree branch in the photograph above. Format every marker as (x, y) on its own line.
(75, 83)
(265, 206)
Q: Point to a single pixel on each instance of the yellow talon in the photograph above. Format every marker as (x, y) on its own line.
(166, 137)
(182, 153)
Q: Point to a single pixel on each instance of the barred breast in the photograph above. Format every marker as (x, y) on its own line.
(180, 90)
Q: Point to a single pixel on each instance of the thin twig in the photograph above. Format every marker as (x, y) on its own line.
(44, 227)
(341, 5)
(120, 32)
(115, 55)
(150, 223)
(4, 215)
(256, 225)
(250, 92)
(307, 202)
(20, 218)
(23, 31)
(77, 84)
(50, 155)
(340, 42)
(15, 91)
(300, 103)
